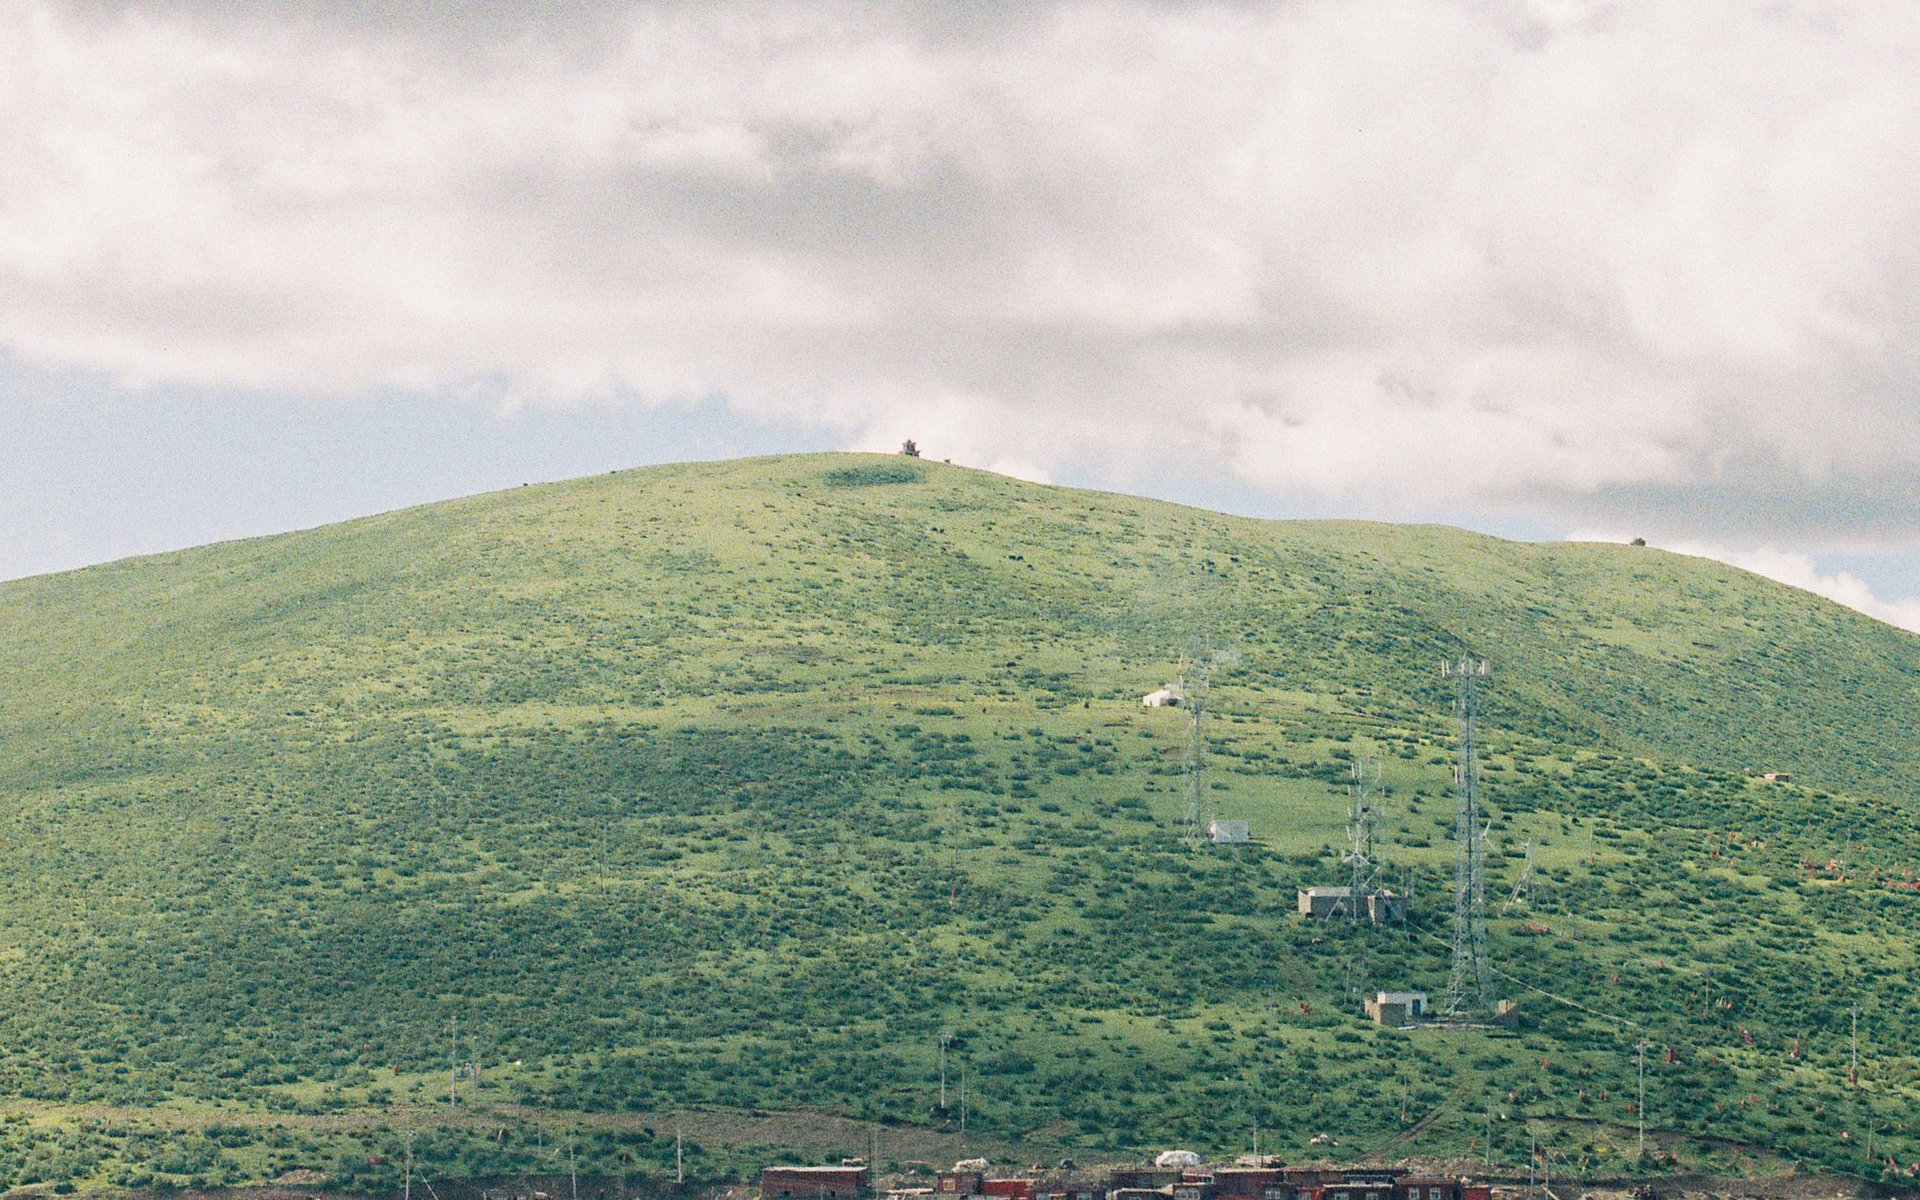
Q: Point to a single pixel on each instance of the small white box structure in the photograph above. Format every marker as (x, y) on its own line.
(1397, 1010)
(1382, 907)
(1326, 902)
(1226, 833)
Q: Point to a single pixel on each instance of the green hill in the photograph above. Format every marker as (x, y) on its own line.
(738, 785)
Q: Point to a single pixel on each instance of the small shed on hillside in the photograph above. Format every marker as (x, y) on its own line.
(1396, 1010)
(1326, 902)
(1381, 906)
(1227, 832)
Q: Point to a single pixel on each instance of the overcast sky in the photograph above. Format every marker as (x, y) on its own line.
(1546, 268)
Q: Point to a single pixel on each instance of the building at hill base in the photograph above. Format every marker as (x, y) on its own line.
(1190, 1182)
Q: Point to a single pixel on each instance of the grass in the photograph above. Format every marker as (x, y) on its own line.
(734, 786)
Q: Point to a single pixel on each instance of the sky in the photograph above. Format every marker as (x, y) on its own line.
(1543, 268)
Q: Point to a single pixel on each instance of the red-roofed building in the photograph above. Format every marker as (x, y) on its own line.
(814, 1183)
(1252, 1183)
(1363, 1183)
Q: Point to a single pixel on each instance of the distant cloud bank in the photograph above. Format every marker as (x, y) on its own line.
(1583, 259)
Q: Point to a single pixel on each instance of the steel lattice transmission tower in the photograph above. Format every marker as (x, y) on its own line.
(1470, 983)
(1362, 817)
(1195, 677)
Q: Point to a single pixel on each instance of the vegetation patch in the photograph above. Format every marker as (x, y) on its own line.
(875, 474)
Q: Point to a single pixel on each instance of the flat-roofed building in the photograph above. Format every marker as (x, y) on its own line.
(1397, 1010)
(814, 1183)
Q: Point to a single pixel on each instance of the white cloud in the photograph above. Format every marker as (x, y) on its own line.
(1796, 570)
(1508, 251)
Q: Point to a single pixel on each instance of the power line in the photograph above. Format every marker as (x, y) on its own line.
(1553, 996)
(1521, 886)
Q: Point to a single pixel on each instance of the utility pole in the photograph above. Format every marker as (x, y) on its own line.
(679, 1157)
(453, 1063)
(1640, 1109)
(945, 1037)
(953, 859)
(1195, 678)
(573, 1170)
(1853, 1067)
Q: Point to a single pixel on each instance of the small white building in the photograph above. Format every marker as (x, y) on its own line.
(1397, 1009)
(1381, 907)
(1166, 697)
(1227, 832)
(1326, 902)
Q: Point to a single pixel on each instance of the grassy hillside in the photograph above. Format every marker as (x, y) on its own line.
(741, 784)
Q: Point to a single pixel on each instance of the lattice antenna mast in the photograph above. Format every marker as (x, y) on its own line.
(1362, 818)
(1196, 670)
(1470, 982)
